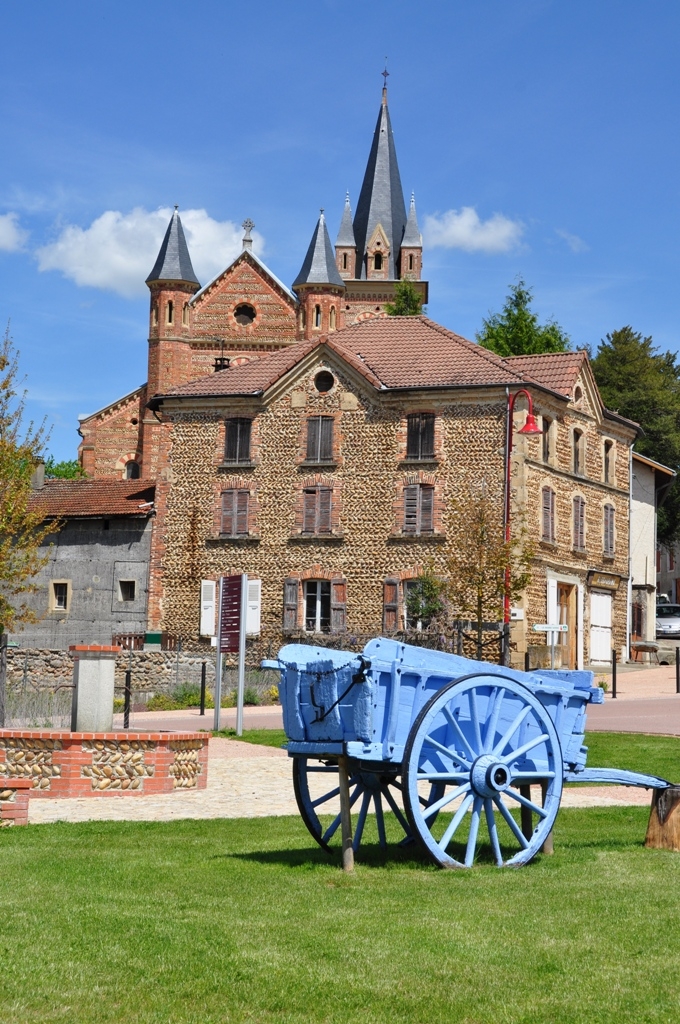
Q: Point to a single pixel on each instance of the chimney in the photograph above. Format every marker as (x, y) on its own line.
(38, 477)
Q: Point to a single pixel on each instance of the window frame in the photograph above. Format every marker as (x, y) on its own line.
(418, 521)
(609, 530)
(121, 595)
(578, 523)
(321, 596)
(317, 511)
(608, 463)
(546, 440)
(239, 513)
(321, 452)
(548, 535)
(242, 425)
(420, 436)
(578, 453)
(53, 605)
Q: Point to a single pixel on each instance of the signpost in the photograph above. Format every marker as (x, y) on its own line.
(231, 637)
(546, 627)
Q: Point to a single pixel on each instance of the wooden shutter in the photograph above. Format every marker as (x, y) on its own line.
(241, 512)
(426, 509)
(390, 605)
(231, 441)
(326, 439)
(338, 606)
(228, 501)
(291, 588)
(413, 436)
(609, 530)
(207, 617)
(325, 496)
(309, 500)
(548, 514)
(427, 436)
(579, 524)
(244, 440)
(313, 425)
(411, 493)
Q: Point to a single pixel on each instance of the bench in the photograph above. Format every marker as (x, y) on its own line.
(14, 801)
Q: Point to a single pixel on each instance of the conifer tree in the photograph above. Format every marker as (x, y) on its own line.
(516, 330)
(407, 300)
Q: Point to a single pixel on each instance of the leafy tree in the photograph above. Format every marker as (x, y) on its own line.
(425, 598)
(70, 469)
(517, 332)
(642, 383)
(484, 567)
(407, 300)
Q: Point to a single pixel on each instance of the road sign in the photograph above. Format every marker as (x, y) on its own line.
(545, 627)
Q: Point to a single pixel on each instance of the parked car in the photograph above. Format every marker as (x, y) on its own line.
(667, 620)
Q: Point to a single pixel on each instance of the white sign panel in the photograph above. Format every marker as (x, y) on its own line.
(544, 627)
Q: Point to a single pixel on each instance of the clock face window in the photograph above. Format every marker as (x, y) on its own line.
(244, 314)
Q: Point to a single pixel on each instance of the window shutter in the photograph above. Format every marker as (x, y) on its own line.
(227, 524)
(291, 587)
(207, 617)
(242, 512)
(313, 439)
(326, 439)
(390, 605)
(338, 606)
(411, 508)
(427, 436)
(325, 503)
(231, 445)
(309, 510)
(609, 530)
(548, 518)
(579, 523)
(413, 437)
(244, 440)
(254, 606)
(426, 509)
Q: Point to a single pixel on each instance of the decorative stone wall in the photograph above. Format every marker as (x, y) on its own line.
(66, 764)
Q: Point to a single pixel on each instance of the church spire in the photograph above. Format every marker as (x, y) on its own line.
(346, 232)
(381, 200)
(319, 263)
(173, 262)
(412, 236)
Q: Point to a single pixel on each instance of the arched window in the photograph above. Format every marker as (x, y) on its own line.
(344, 261)
(548, 515)
(410, 261)
(317, 316)
(155, 314)
(169, 312)
(578, 453)
(303, 317)
(608, 460)
(132, 470)
(185, 313)
(377, 261)
(332, 318)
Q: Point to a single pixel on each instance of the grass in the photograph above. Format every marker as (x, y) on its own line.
(655, 755)
(263, 737)
(248, 921)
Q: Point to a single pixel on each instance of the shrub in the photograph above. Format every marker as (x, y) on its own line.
(161, 702)
(251, 697)
(188, 695)
(271, 696)
(118, 706)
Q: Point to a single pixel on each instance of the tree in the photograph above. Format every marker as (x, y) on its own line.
(69, 469)
(425, 598)
(643, 384)
(517, 332)
(407, 300)
(484, 567)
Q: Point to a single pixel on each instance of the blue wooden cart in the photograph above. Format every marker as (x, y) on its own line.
(461, 742)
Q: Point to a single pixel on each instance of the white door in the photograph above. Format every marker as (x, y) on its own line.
(600, 626)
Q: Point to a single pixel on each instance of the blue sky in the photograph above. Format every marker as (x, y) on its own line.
(541, 139)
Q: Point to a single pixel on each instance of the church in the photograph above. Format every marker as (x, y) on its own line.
(305, 437)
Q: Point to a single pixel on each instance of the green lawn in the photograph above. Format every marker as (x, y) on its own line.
(248, 921)
(263, 737)
(656, 755)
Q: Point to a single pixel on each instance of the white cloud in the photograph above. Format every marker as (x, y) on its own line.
(12, 237)
(575, 243)
(117, 251)
(464, 230)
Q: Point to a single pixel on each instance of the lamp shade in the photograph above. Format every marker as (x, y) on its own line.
(531, 426)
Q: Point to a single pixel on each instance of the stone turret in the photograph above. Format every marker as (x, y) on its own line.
(319, 287)
(411, 256)
(345, 245)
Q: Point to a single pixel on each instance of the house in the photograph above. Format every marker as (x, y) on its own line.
(650, 481)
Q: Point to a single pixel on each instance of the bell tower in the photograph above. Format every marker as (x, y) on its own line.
(319, 288)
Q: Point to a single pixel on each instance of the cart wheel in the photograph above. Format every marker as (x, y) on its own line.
(483, 737)
(370, 787)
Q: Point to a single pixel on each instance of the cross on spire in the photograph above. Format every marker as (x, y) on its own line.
(247, 226)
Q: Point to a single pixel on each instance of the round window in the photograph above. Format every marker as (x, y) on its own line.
(244, 314)
(324, 381)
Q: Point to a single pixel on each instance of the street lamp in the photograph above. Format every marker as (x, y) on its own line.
(530, 427)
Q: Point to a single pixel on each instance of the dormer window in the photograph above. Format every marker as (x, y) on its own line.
(377, 261)
(169, 312)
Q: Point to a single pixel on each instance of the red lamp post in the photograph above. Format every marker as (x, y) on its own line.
(530, 427)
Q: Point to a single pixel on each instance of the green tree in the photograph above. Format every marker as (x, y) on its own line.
(425, 598)
(70, 469)
(407, 300)
(643, 384)
(516, 330)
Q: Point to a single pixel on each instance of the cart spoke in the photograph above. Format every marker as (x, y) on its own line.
(396, 810)
(474, 717)
(325, 797)
(461, 735)
(532, 776)
(444, 776)
(493, 832)
(542, 813)
(474, 830)
(514, 827)
(454, 823)
(499, 694)
(502, 744)
(362, 820)
(335, 824)
(445, 750)
(514, 754)
(379, 820)
(446, 799)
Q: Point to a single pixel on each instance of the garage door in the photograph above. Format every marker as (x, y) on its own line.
(600, 626)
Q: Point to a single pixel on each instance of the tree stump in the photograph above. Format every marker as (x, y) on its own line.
(663, 830)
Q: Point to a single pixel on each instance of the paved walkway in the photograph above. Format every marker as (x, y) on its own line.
(191, 720)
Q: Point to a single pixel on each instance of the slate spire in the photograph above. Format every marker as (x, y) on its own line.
(319, 263)
(173, 262)
(381, 200)
(412, 237)
(346, 233)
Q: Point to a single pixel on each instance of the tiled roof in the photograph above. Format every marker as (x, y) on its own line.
(92, 498)
(389, 352)
(555, 370)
